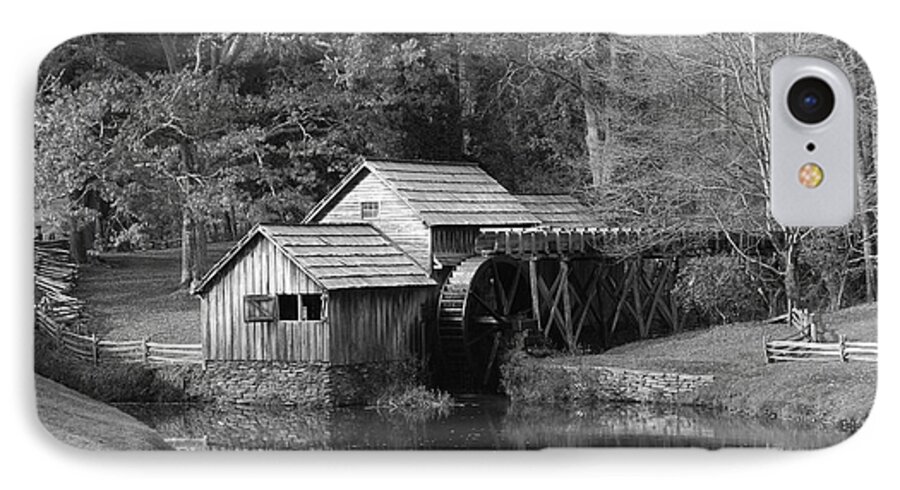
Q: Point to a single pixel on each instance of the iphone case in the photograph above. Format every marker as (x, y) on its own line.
(436, 241)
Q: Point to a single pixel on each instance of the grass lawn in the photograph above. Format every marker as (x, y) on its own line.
(83, 422)
(134, 295)
(831, 391)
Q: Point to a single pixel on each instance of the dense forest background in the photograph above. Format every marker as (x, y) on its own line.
(146, 140)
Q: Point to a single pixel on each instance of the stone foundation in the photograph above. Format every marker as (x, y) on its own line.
(293, 383)
(536, 381)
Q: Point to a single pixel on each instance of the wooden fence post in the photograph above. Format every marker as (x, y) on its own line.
(144, 350)
(766, 348)
(94, 354)
(842, 347)
(813, 334)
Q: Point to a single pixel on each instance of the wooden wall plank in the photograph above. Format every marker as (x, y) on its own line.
(236, 299)
(375, 325)
(359, 325)
(260, 269)
(204, 328)
(396, 219)
(231, 321)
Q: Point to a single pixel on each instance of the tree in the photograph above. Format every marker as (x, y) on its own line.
(151, 136)
(190, 121)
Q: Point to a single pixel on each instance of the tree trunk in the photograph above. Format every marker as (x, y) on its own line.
(187, 246)
(457, 99)
(168, 45)
(466, 100)
(200, 248)
(593, 140)
(193, 225)
(230, 229)
(193, 248)
(596, 105)
(862, 203)
(77, 245)
(868, 260)
(791, 285)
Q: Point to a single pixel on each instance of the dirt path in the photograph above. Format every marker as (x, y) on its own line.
(85, 423)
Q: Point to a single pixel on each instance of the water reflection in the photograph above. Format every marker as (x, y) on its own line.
(479, 423)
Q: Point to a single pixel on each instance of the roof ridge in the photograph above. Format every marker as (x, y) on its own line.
(555, 194)
(310, 225)
(461, 163)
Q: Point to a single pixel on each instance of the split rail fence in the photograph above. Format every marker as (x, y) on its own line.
(57, 314)
(94, 349)
(803, 346)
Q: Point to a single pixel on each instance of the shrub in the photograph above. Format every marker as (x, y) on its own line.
(413, 397)
(406, 393)
(525, 380)
(111, 383)
(716, 290)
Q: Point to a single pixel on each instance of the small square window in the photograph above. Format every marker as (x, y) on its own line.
(369, 209)
(288, 307)
(312, 306)
(259, 308)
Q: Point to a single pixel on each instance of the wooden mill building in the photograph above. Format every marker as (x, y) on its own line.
(405, 258)
(340, 294)
(433, 210)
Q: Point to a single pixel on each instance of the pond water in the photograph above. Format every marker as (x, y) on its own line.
(479, 422)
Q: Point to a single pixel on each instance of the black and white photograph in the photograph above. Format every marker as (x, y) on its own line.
(431, 241)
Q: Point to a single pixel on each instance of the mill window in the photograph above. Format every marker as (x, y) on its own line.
(294, 307)
(259, 308)
(369, 209)
(312, 306)
(288, 309)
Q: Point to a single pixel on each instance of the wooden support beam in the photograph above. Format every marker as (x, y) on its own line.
(668, 306)
(661, 280)
(623, 295)
(588, 303)
(555, 315)
(583, 294)
(568, 330)
(511, 297)
(535, 292)
(498, 284)
(636, 283)
(549, 295)
(673, 302)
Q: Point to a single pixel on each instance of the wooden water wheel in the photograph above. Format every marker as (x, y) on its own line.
(481, 304)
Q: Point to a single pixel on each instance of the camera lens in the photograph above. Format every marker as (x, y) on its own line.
(810, 100)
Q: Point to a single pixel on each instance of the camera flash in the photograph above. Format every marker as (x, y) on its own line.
(811, 175)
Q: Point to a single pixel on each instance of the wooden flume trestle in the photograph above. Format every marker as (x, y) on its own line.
(616, 242)
(572, 288)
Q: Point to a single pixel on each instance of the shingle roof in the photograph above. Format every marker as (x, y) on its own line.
(442, 193)
(559, 211)
(335, 256)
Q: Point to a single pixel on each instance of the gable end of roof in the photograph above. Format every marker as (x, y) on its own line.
(334, 256)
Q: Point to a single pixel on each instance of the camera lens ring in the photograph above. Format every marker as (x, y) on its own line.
(810, 100)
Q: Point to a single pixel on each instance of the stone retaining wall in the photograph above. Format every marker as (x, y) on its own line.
(293, 383)
(536, 381)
